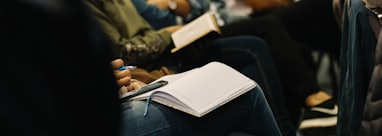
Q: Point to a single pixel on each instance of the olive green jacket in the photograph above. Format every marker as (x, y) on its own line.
(133, 38)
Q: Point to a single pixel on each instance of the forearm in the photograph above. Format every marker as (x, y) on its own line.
(183, 7)
(142, 50)
(136, 47)
(156, 17)
(261, 5)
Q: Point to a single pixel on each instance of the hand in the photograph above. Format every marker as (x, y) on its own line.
(135, 84)
(183, 6)
(123, 77)
(172, 29)
(261, 5)
(161, 4)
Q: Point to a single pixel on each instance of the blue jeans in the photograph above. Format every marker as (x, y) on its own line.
(249, 55)
(249, 113)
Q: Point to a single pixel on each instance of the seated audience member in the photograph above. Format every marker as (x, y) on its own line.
(313, 25)
(253, 116)
(301, 91)
(137, 41)
(63, 99)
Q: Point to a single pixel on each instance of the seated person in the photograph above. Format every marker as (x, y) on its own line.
(250, 117)
(139, 44)
(301, 91)
(63, 99)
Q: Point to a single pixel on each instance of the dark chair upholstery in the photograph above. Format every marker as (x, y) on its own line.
(372, 117)
(356, 64)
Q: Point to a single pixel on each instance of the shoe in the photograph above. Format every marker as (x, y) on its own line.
(319, 131)
(322, 115)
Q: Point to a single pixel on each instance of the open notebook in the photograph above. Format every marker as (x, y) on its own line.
(201, 90)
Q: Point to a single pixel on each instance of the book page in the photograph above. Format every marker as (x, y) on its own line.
(169, 78)
(194, 30)
(210, 86)
(201, 90)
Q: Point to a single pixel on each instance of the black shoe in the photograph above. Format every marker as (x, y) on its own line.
(322, 115)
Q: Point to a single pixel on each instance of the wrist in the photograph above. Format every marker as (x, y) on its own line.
(172, 5)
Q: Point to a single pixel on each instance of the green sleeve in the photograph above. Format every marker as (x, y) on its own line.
(139, 49)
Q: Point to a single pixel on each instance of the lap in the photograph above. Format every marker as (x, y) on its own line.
(245, 112)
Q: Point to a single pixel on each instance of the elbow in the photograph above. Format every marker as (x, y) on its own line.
(183, 9)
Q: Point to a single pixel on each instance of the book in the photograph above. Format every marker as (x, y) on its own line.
(200, 90)
(200, 27)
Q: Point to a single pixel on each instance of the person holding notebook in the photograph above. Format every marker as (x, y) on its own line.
(248, 114)
(139, 44)
(69, 89)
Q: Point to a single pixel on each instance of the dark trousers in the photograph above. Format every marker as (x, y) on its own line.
(249, 55)
(311, 22)
(297, 79)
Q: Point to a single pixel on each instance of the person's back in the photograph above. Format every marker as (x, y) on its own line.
(55, 77)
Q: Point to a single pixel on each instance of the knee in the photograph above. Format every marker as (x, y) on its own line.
(252, 40)
(158, 119)
(244, 41)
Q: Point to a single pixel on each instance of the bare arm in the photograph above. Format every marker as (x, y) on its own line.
(183, 6)
(261, 5)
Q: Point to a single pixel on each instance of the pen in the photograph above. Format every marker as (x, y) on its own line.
(145, 89)
(127, 67)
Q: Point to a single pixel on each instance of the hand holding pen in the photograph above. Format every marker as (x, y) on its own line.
(123, 77)
(124, 80)
(121, 72)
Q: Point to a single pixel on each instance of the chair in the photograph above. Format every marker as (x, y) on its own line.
(356, 63)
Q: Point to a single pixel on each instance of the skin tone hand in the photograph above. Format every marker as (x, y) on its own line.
(261, 5)
(124, 78)
(172, 29)
(183, 6)
(161, 4)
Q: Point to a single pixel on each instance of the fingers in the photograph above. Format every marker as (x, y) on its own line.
(125, 81)
(134, 86)
(119, 74)
(123, 90)
(123, 77)
(117, 63)
(173, 29)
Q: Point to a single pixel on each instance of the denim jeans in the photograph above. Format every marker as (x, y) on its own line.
(249, 55)
(249, 113)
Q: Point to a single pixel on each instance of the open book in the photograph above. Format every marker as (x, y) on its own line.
(201, 90)
(194, 30)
